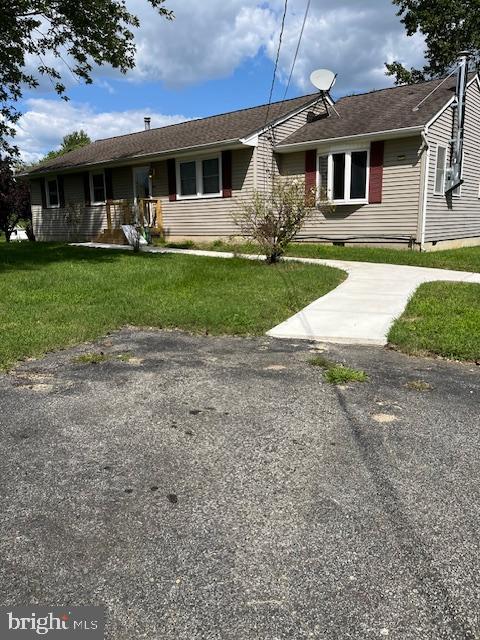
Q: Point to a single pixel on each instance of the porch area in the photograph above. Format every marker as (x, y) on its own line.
(143, 213)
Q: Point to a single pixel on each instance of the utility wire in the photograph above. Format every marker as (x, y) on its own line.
(436, 89)
(276, 60)
(307, 9)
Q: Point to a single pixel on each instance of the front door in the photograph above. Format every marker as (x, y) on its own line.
(142, 191)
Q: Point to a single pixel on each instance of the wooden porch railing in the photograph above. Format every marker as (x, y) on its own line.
(147, 212)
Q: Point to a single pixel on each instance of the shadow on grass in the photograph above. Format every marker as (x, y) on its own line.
(32, 255)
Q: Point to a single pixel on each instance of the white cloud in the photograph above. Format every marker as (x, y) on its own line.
(210, 40)
(206, 40)
(353, 39)
(45, 122)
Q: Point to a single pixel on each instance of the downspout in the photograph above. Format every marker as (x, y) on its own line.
(423, 205)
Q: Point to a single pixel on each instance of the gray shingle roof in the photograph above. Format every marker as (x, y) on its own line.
(214, 129)
(383, 110)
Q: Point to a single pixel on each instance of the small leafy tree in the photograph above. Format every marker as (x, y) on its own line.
(70, 142)
(14, 200)
(273, 218)
(83, 34)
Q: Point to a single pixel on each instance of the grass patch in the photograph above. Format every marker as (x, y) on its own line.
(442, 318)
(54, 296)
(466, 259)
(91, 358)
(418, 385)
(321, 361)
(338, 373)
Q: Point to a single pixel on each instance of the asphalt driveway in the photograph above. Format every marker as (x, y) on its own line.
(218, 488)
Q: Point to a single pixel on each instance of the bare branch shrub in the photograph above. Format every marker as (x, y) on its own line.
(274, 217)
(72, 218)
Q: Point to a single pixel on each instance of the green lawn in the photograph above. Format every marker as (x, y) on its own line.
(53, 296)
(467, 259)
(442, 318)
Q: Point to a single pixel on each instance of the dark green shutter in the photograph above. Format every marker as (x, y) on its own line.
(43, 193)
(61, 191)
(86, 187)
(108, 184)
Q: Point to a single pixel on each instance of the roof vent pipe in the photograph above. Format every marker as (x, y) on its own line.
(147, 123)
(454, 172)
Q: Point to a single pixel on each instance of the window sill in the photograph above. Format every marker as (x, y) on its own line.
(209, 196)
(340, 203)
(52, 206)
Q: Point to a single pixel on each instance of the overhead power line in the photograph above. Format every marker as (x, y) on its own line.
(276, 59)
(307, 9)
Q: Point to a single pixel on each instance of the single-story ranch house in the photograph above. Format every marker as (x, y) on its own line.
(381, 156)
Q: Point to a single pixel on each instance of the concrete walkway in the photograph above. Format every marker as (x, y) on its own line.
(359, 311)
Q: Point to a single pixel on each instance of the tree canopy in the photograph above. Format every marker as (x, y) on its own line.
(14, 198)
(70, 142)
(36, 34)
(449, 27)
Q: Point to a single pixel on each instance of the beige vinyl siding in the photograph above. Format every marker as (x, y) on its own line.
(453, 217)
(287, 128)
(269, 163)
(122, 183)
(207, 217)
(394, 220)
(74, 222)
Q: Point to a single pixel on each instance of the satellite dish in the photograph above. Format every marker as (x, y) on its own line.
(323, 79)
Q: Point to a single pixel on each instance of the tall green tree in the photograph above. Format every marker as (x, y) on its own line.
(81, 33)
(14, 199)
(449, 26)
(70, 142)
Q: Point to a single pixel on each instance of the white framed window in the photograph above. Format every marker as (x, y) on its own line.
(97, 187)
(343, 176)
(440, 171)
(51, 192)
(199, 178)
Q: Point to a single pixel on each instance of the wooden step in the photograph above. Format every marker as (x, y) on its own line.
(112, 236)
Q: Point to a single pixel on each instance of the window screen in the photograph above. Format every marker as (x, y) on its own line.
(338, 176)
(188, 179)
(211, 176)
(440, 170)
(52, 188)
(358, 184)
(98, 187)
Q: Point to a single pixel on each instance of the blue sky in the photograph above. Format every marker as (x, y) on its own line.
(218, 56)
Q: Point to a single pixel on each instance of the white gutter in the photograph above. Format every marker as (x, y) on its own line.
(374, 135)
(423, 211)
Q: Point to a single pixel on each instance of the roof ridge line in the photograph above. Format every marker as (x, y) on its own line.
(214, 115)
(394, 88)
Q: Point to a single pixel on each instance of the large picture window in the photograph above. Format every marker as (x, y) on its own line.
(343, 176)
(199, 178)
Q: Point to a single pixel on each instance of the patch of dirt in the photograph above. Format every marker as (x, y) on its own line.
(418, 385)
(384, 418)
(35, 381)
